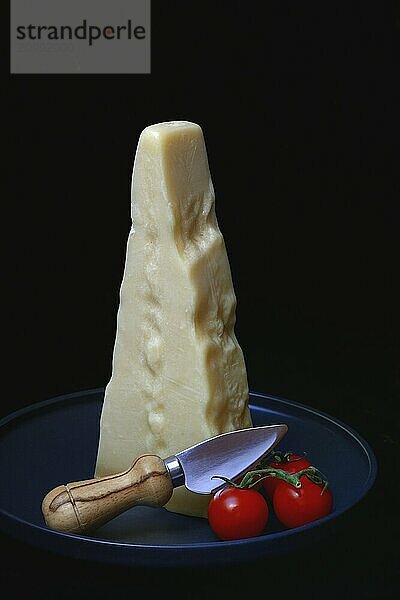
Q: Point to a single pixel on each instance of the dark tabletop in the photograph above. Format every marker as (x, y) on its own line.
(299, 108)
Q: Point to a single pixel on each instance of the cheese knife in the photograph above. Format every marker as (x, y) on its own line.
(84, 505)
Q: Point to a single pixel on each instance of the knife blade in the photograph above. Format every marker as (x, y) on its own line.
(83, 506)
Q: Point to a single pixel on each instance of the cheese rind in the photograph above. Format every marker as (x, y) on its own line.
(178, 373)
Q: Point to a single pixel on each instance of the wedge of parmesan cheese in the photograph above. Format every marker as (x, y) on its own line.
(178, 373)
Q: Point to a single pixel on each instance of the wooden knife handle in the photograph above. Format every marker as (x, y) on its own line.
(84, 505)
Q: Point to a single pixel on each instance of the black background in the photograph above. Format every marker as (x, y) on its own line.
(299, 107)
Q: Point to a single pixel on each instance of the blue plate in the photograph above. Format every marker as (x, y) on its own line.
(55, 442)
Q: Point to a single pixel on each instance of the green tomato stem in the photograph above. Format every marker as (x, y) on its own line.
(280, 457)
(252, 478)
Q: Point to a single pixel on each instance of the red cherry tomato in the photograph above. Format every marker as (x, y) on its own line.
(237, 513)
(293, 463)
(297, 506)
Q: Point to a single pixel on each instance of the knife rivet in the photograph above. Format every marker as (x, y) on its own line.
(175, 470)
